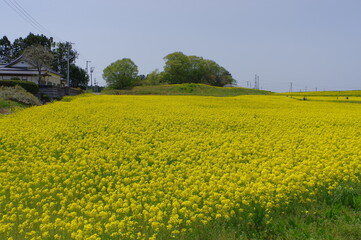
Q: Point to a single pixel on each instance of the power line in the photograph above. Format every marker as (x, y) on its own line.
(27, 15)
(16, 9)
(14, 5)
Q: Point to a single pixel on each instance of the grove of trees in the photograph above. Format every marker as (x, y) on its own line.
(9, 51)
(179, 68)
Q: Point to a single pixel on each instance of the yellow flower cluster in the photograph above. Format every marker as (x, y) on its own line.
(156, 167)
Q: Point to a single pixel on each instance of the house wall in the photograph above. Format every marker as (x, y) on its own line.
(53, 79)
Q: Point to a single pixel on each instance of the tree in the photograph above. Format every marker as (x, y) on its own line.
(153, 78)
(20, 44)
(180, 68)
(60, 61)
(17, 48)
(38, 56)
(213, 74)
(5, 50)
(176, 69)
(79, 77)
(121, 74)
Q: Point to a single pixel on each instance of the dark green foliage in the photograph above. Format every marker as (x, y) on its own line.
(180, 68)
(28, 86)
(45, 98)
(5, 50)
(79, 77)
(60, 62)
(14, 50)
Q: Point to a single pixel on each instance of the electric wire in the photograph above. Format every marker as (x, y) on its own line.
(28, 16)
(25, 15)
(14, 8)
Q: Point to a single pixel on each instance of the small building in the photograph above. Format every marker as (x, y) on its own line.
(22, 70)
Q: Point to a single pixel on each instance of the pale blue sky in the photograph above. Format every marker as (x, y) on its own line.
(312, 43)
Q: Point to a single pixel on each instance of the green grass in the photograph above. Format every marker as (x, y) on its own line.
(334, 215)
(187, 89)
(8, 106)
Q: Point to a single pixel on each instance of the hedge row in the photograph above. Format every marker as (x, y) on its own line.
(28, 86)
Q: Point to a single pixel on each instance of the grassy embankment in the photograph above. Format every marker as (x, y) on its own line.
(187, 89)
(8, 106)
(14, 98)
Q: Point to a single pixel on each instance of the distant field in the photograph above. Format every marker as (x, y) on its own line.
(351, 99)
(187, 89)
(354, 93)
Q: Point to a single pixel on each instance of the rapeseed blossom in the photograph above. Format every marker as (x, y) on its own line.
(150, 167)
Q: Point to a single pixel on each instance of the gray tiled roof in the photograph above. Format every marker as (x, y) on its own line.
(14, 71)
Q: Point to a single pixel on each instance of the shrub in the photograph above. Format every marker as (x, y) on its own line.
(28, 86)
(18, 94)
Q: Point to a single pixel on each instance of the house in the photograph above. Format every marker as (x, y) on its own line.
(22, 70)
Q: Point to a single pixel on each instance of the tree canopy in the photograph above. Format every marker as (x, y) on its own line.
(79, 77)
(39, 56)
(121, 74)
(180, 68)
(60, 62)
(5, 50)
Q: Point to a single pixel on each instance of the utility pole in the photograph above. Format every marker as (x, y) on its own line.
(291, 87)
(87, 70)
(255, 81)
(68, 76)
(91, 76)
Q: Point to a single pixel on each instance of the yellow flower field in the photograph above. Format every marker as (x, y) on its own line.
(159, 167)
